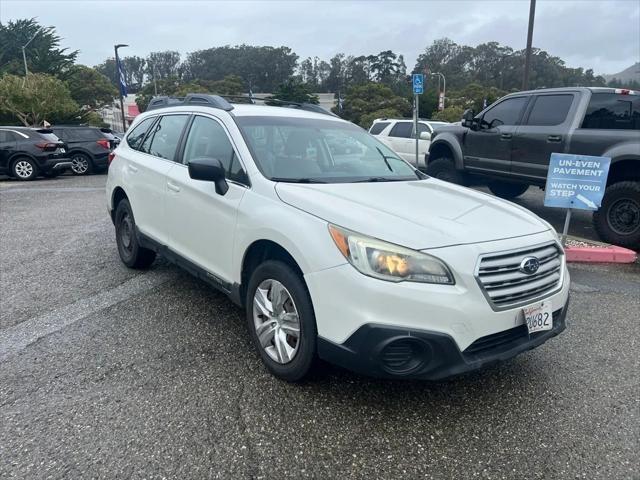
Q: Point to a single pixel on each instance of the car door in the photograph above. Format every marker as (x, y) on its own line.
(146, 170)
(543, 131)
(488, 147)
(7, 147)
(202, 221)
(401, 141)
(423, 145)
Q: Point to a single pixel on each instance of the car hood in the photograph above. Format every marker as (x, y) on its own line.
(416, 214)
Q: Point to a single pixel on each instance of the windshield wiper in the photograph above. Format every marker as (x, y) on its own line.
(297, 180)
(384, 157)
(378, 179)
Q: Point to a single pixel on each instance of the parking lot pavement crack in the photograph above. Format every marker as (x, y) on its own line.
(18, 337)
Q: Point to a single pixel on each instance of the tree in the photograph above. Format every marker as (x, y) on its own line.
(165, 65)
(294, 90)
(108, 69)
(135, 69)
(89, 88)
(371, 98)
(449, 114)
(42, 97)
(43, 54)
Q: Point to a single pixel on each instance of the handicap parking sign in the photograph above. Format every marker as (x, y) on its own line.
(418, 83)
(576, 181)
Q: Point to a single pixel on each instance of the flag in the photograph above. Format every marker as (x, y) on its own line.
(121, 78)
(251, 96)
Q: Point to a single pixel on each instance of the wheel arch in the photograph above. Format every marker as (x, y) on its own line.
(624, 168)
(257, 253)
(117, 196)
(446, 146)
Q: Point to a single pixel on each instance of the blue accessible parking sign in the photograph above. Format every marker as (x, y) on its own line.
(418, 83)
(576, 181)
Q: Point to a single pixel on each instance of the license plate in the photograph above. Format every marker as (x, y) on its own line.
(538, 317)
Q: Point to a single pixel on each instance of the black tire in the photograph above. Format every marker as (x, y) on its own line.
(81, 164)
(507, 190)
(304, 359)
(24, 169)
(444, 169)
(618, 219)
(131, 253)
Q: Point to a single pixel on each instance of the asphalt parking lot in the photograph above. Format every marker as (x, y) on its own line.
(111, 373)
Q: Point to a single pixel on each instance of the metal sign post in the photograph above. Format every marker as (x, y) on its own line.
(418, 88)
(575, 182)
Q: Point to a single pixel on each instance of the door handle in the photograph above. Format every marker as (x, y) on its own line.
(506, 136)
(133, 169)
(173, 187)
(554, 138)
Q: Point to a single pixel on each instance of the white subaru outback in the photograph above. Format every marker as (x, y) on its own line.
(348, 255)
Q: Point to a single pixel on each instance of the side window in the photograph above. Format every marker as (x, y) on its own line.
(423, 128)
(550, 109)
(506, 112)
(377, 128)
(135, 136)
(611, 111)
(60, 133)
(162, 140)
(401, 129)
(207, 138)
(6, 136)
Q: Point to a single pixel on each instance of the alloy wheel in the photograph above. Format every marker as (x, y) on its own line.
(79, 164)
(276, 321)
(23, 169)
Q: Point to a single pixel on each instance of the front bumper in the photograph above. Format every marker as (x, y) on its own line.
(391, 352)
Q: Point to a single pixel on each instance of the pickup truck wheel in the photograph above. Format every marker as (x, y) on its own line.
(281, 320)
(507, 190)
(24, 168)
(444, 169)
(618, 219)
(131, 253)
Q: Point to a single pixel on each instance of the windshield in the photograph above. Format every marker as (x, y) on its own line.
(322, 151)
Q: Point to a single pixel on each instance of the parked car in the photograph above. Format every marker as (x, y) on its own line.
(509, 145)
(89, 147)
(26, 153)
(399, 136)
(334, 256)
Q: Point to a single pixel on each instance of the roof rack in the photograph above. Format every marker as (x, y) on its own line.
(224, 102)
(215, 101)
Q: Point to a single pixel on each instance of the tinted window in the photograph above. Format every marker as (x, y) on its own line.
(207, 138)
(78, 134)
(423, 128)
(378, 127)
(135, 137)
(163, 139)
(6, 136)
(506, 112)
(401, 129)
(613, 111)
(550, 109)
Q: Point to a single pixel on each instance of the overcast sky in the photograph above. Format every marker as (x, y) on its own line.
(603, 35)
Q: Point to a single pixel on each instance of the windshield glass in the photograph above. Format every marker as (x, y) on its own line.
(324, 151)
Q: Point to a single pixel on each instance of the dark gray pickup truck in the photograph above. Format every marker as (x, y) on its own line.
(508, 146)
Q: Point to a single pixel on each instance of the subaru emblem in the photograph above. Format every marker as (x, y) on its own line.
(529, 265)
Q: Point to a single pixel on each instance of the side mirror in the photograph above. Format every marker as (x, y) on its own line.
(468, 118)
(425, 136)
(209, 170)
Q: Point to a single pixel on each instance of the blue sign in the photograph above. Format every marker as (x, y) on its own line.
(418, 83)
(576, 181)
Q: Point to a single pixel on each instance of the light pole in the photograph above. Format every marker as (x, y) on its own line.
(527, 58)
(24, 55)
(120, 84)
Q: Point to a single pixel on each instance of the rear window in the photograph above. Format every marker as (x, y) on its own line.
(612, 111)
(550, 109)
(136, 136)
(378, 127)
(48, 135)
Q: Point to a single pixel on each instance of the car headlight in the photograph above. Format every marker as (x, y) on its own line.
(387, 261)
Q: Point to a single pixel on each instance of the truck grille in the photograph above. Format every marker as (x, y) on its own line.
(505, 285)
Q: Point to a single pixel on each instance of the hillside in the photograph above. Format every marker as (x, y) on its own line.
(628, 75)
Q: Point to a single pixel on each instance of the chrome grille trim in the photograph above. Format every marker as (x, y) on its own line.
(505, 287)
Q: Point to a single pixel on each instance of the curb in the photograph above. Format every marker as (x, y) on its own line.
(600, 254)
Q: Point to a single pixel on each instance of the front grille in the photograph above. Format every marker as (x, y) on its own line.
(502, 341)
(505, 285)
